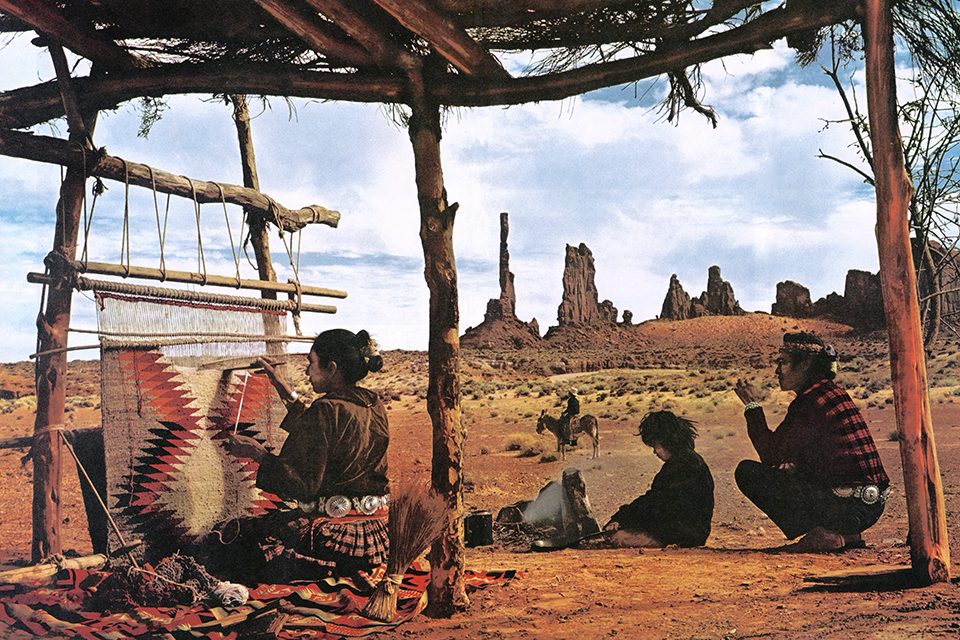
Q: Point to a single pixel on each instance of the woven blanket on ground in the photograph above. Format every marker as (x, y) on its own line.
(322, 611)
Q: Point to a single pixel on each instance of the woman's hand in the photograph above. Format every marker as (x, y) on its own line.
(286, 394)
(747, 392)
(244, 447)
(613, 525)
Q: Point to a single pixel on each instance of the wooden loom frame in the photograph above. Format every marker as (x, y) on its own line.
(62, 270)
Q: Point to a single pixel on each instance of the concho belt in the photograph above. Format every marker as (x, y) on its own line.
(340, 506)
(869, 493)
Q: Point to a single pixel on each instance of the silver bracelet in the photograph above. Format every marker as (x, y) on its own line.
(751, 405)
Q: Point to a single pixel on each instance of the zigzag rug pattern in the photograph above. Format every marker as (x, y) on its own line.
(169, 480)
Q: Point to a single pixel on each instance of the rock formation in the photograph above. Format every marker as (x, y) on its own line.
(717, 300)
(863, 300)
(505, 305)
(501, 329)
(676, 306)
(860, 306)
(793, 300)
(580, 305)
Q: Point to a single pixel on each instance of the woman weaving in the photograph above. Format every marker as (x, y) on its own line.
(333, 465)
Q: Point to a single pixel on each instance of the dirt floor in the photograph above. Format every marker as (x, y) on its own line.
(732, 588)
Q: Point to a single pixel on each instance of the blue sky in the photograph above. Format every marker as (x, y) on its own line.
(649, 198)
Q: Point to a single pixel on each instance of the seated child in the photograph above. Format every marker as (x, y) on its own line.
(679, 505)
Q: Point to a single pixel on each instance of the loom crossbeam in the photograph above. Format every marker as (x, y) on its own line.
(17, 144)
(87, 284)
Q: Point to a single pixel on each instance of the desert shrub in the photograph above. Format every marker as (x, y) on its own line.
(8, 406)
(529, 414)
(857, 365)
(484, 451)
(549, 457)
(877, 385)
(949, 382)
(529, 445)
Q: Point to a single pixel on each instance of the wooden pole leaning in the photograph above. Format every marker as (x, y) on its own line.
(930, 555)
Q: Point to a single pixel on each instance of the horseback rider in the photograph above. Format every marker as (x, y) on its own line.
(566, 418)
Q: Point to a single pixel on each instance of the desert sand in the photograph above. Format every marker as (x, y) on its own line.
(731, 588)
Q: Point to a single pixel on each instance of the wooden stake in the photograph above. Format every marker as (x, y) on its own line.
(930, 556)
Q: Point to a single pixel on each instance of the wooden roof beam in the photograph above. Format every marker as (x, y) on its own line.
(29, 106)
(45, 19)
(450, 41)
(388, 54)
(17, 144)
(317, 34)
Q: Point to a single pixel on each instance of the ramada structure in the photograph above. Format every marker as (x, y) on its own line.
(425, 56)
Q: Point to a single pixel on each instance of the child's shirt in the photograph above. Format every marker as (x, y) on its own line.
(678, 507)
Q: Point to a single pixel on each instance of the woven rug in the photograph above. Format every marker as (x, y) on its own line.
(323, 611)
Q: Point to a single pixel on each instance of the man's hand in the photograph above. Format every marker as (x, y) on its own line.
(747, 392)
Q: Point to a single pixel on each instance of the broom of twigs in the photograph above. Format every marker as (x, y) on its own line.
(415, 520)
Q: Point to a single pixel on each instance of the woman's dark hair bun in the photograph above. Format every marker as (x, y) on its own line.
(368, 349)
(374, 363)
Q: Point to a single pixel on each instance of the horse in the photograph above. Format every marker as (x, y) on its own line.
(586, 424)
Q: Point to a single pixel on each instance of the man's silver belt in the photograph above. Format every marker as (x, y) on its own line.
(869, 493)
(340, 506)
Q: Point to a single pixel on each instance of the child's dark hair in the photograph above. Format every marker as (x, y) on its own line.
(355, 354)
(670, 430)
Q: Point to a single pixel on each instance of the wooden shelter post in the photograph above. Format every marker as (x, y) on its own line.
(447, 590)
(259, 238)
(52, 327)
(930, 556)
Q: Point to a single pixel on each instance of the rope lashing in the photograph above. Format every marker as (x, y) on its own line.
(201, 262)
(233, 248)
(161, 231)
(125, 237)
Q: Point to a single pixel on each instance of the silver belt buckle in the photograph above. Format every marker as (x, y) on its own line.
(337, 506)
(368, 505)
(870, 494)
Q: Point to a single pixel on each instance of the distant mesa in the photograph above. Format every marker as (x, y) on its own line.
(501, 329)
(717, 300)
(860, 306)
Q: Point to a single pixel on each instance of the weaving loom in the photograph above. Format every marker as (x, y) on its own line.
(164, 414)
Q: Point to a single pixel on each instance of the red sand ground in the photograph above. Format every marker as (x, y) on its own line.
(729, 589)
